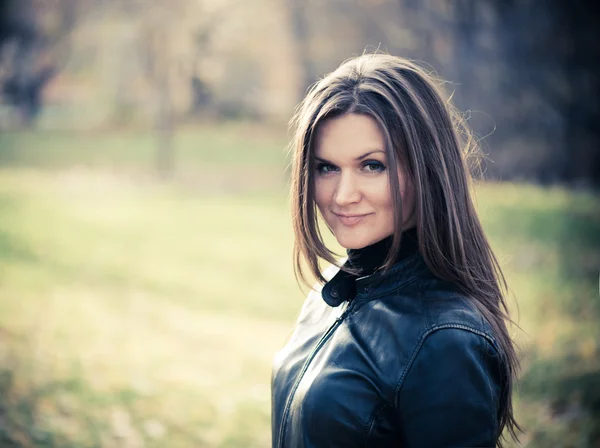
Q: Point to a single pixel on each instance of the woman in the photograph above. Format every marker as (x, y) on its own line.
(406, 343)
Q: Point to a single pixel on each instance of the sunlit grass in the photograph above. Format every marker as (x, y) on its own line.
(142, 307)
(232, 146)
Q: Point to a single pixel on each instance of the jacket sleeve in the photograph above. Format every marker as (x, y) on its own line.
(450, 395)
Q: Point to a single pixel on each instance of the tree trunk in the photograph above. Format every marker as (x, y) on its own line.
(165, 161)
(301, 39)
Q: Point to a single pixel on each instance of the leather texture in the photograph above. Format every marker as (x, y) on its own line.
(395, 359)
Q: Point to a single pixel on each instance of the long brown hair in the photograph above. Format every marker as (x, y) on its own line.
(429, 140)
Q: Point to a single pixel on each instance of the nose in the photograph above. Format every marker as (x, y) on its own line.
(347, 190)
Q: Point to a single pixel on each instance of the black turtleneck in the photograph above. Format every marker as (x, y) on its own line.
(368, 259)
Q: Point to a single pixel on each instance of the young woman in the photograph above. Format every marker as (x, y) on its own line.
(405, 344)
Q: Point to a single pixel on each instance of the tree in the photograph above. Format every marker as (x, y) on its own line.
(34, 47)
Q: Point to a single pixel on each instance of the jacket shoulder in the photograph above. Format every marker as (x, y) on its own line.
(445, 307)
(465, 414)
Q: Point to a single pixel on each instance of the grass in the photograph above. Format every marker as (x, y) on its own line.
(138, 313)
(141, 307)
(228, 145)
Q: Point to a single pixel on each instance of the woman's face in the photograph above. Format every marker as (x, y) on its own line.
(351, 181)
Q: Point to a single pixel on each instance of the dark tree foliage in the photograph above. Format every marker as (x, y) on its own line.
(23, 77)
(552, 51)
(528, 71)
(541, 77)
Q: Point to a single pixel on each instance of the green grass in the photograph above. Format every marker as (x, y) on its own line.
(138, 313)
(227, 145)
(141, 305)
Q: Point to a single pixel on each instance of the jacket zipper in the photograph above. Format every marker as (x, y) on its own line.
(314, 352)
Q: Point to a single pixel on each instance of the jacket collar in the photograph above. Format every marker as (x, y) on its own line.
(344, 286)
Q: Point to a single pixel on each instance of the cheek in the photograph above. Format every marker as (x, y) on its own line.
(322, 193)
(384, 196)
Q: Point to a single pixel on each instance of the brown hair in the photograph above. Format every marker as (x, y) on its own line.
(427, 138)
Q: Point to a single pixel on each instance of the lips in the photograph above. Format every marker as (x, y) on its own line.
(351, 220)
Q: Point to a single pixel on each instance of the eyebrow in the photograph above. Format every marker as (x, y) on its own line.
(358, 159)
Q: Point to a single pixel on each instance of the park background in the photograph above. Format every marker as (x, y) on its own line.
(145, 237)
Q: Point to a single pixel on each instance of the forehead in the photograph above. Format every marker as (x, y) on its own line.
(348, 136)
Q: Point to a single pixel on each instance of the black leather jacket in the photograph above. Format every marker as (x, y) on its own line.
(407, 362)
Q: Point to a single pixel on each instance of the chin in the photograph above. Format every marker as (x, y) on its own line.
(351, 246)
(352, 242)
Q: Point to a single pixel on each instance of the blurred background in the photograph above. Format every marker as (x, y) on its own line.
(145, 238)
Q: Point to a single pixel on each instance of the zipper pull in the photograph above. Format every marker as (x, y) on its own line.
(345, 312)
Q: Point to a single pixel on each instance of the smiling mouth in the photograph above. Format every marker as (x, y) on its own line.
(350, 220)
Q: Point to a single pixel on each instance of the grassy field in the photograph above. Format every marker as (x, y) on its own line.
(138, 313)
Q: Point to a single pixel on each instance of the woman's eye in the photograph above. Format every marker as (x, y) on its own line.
(325, 168)
(374, 166)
